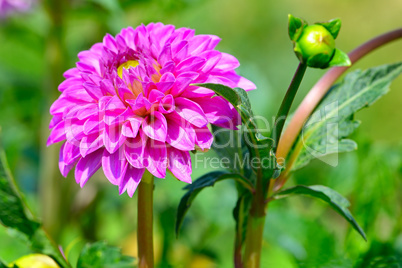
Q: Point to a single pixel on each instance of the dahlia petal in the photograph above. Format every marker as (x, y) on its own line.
(180, 51)
(165, 55)
(121, 43)
(69, 82)
(134, 151)
(113, 138)
(107, 87)
(201, 43)
(197, 92)
(87, 166)
(155, 154)
(168, 68)
(213, 57)
(139, 105)
(68, 158)
(245, 84)
(155, 96)
(92, 125)
(93, 90)
(90, 58)
(204, 138)
(130, 127)
(181, 135)
(182, 82)
(73, 72)
(180, 164)
(60, 105)
(114, 166)
(167, 104)
(216, 109)
(155, 126)
(74, 130)
(57, 134)
(166, 82)
(87, 111)
(231, 124)
(114, 108)
(191, 111)
(227, 62)
(131, 180)
(55, 120)
(90, 144)
(110, 43)
(85, 67)
(191, 64)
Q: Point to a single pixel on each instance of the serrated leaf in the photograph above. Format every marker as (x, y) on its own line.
(328, 195)
(259, 146)
(207, 180)
(340, 58)
(99, 254)
(326, 130)
(295, 27)
(13, 214)
(333, 26)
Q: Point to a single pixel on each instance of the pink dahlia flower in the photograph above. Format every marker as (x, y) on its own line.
(130, 105)
(10, 6)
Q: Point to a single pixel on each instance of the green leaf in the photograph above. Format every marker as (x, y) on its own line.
(333, 120)
(328, 195)
(340, 58)
(295, 27)
(2, 264)
(14, 214)
(333, 26)
(230, 144)
(207, 180)
(100, 255)
(259, 145)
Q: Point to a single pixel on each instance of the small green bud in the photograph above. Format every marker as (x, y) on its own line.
(316, 46)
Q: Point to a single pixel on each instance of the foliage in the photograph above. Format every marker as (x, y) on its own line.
(333, 120)
(99, 254)
(328, 195)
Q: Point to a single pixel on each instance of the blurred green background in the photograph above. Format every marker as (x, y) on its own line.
(37, 47)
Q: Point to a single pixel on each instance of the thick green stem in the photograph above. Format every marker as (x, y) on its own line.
(145, 221)
(287, 103)
(255, 230)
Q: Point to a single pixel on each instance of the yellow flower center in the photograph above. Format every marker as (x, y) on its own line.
(127, 65)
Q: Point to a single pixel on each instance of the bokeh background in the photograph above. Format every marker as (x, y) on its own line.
(38, 46)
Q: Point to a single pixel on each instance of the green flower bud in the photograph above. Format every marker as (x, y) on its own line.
(315, 47)
(314, 44)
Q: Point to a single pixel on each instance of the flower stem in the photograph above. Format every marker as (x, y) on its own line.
(145, 221)
(255, 230)
(287, 103)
